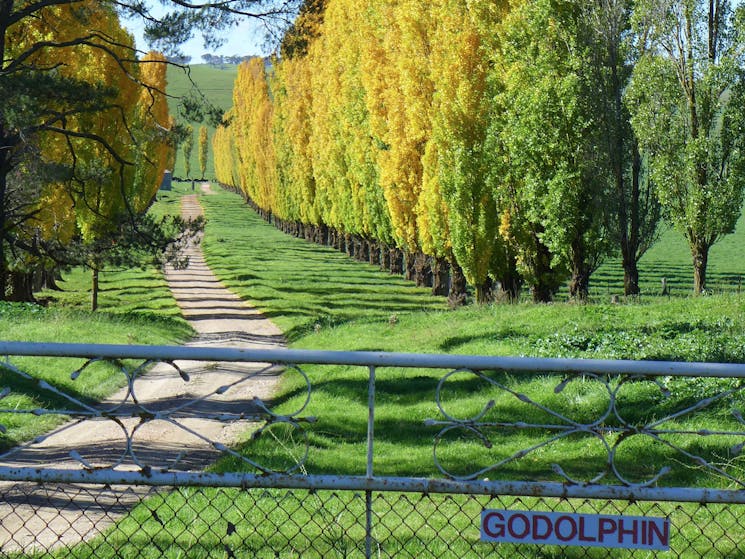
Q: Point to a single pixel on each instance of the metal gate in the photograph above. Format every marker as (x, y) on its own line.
(608, 442)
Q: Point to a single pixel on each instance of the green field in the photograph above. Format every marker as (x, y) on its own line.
(316, 298)
(670, 258)
(324, 300)
(214, 83)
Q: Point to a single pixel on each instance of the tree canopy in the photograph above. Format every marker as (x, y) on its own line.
(85, 133)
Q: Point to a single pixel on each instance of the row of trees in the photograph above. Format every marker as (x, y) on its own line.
(520, 141)
(187, 147)
(84, 141)
(220, 60)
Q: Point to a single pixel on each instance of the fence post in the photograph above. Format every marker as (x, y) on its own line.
(369, 473)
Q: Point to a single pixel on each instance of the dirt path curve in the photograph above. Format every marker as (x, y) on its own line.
(42, 517)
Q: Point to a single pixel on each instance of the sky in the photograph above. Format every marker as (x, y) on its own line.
(245, 39)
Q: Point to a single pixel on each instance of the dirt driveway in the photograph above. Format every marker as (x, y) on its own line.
(42, 517)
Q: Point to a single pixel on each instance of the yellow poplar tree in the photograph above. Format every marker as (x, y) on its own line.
(203, 150)
(223, 147)
(464, 112)
(399, 151)
(253, 126)
(363, 212)
(187, 147)
(290, 126)
(153, 124)
(334, 197)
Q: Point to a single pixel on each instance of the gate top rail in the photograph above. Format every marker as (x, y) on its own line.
(377, 359)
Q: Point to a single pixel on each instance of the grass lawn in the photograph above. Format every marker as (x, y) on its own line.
(316, 297)
(326, 301)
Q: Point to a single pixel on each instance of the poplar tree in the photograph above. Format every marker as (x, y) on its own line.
(223, 147)
(187, 147)
(394, 56)
(203, 150)
(550, 130)
(252, 129)
(291, 133)
(613, 54)
(462, 118)
(687, 98)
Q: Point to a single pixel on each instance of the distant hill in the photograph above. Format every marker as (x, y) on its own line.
(215, 83)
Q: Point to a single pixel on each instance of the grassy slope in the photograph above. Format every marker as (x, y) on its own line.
(217, 85)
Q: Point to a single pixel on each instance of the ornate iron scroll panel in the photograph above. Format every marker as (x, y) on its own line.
(612, 426)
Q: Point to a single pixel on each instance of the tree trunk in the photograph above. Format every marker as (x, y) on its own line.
(94, 289)
(700, 253)
(373, 249)
(545, 278)
(397, 261)
(485, 292)
(579, 285)
(630, 241)
(440, 276)
(349, 245)
(21, 287)
(49, 279)
(385, 257)
(631, 278)
(422, 270)
(362, 249)
(510, 283)
(3, 190)
(410, 269)
(457, 294)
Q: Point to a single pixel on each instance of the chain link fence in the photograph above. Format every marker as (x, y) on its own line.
(104, 522)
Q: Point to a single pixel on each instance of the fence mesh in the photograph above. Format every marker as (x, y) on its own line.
(52, 520)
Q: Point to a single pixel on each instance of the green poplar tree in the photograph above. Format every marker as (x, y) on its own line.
(687, 98)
